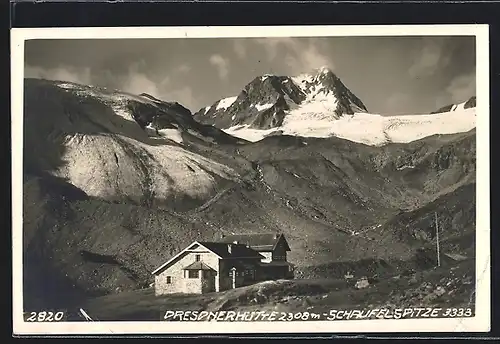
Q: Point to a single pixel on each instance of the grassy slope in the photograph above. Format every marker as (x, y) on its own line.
(438, 287)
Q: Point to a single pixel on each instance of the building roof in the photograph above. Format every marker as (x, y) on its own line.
(242, 265)
(222, 250)
(198, 266)
(259, 242)
(236, 250)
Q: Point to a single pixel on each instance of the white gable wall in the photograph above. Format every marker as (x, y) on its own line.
(180, 283)
(268, 257)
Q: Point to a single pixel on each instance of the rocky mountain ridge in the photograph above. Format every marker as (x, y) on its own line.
(267, 100)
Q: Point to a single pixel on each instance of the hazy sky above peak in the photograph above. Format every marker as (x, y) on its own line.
(391, 75)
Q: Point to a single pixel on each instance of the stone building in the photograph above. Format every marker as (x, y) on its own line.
(234, 261)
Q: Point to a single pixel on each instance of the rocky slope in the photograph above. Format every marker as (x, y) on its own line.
(115, 184)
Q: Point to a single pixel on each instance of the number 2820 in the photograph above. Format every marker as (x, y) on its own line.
(45, 316)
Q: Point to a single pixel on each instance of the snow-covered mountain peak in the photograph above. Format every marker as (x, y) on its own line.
(267, 100)
(324, 70)
(316, 75)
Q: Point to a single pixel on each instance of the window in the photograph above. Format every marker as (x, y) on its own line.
(198, 257)
(193, 273)
(169, 279)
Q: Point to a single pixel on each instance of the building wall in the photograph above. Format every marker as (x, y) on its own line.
(208, 281)
(279, 252)
(268, 257)
(226, 280)
(180, 281)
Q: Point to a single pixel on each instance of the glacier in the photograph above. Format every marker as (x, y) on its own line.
(367, 128)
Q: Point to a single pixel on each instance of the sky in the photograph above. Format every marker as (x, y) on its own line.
(391, 75)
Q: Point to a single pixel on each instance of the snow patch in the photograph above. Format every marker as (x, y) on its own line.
(225, 103)
(302, 80)
(120, 108)
(247, 133)
(324, 70)
(460, 106)
(67, 86)
(171, 134)
(261, 107)
(150, 130)
(404, 167)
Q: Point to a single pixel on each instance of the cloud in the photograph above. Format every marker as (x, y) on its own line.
(136, 81)
(183, 96)
(272, 45)
(239, 48)
(432, 57)
(397, 103)
(299, 55)
(462, 87)
(221, 64)
(63, 73)
(166, 90)
(309, 58)
(183, 68)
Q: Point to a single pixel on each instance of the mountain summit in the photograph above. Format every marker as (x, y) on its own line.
(267, 100)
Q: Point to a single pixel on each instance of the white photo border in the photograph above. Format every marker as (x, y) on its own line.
(479, 323)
